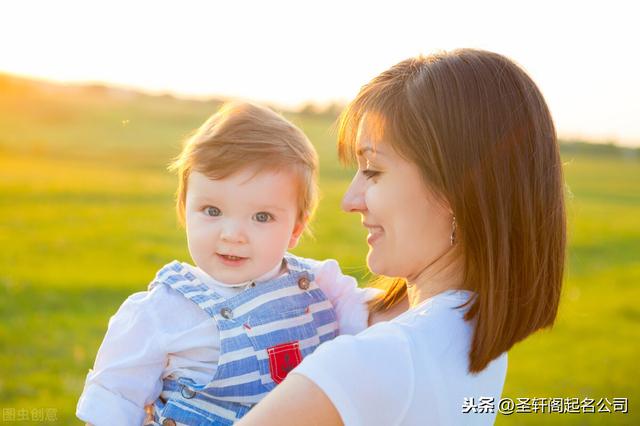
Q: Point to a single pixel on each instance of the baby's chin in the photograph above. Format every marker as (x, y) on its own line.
(238, 274)
(230, 279)
(225, 276)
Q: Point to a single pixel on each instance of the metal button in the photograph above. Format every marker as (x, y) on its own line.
(187, 393)
(253, 284)
(169, 422)
(303, 283)
(226, 313)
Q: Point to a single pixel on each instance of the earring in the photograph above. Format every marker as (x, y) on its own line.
(453, 230)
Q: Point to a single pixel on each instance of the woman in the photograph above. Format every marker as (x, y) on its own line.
(459, 184)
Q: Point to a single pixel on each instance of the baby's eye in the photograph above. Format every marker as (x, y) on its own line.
(212, 211)
(263, 217)
(368, 173)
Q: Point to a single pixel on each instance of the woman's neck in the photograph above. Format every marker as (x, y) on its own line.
(445, 273)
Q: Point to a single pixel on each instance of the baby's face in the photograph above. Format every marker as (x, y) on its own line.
(239, 227)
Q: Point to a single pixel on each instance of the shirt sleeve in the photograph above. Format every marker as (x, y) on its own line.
(128, 367)
(348, 300)
(359, 373)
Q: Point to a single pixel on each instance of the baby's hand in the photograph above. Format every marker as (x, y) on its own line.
(149, 410)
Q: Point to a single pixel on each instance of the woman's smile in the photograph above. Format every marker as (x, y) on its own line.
(375, 232)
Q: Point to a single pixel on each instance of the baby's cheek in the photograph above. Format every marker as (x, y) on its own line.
(199, 245)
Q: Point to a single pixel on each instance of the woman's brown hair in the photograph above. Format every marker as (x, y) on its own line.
(481, 133)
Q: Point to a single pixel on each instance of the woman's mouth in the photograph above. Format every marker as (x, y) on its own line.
(375, 232)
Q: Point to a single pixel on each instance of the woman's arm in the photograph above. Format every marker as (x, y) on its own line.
(295, 401)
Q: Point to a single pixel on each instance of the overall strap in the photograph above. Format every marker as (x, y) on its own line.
(297, 264)
(179, 278)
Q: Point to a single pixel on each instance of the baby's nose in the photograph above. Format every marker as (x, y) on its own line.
(233, 232)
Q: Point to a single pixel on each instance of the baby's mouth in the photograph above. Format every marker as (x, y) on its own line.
(231, 257)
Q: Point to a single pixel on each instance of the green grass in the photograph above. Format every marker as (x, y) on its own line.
(87, 217)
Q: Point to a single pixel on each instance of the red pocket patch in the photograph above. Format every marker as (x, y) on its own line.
(282, 359)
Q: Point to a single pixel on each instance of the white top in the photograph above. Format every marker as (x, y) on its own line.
(411, 370)
(158, 333)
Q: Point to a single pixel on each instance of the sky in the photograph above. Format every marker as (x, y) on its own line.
(583, 54)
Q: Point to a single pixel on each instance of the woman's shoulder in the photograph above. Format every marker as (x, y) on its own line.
(437, 325)
(448, 306)
(440, 340)
(434, 322)
(409, 359)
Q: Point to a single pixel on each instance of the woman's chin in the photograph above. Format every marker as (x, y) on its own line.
(377, 262)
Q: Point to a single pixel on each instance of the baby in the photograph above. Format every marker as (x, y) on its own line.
(207, 342)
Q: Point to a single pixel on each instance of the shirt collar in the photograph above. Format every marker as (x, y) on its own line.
(210, 281)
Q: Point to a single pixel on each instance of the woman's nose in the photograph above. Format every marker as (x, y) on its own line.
(353, 200)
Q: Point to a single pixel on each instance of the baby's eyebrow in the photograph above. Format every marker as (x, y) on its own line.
(204, 198)
(268, 208)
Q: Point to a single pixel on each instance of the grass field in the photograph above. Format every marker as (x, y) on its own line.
(87, 217)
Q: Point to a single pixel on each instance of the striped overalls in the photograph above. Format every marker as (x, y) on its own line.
(265, 331)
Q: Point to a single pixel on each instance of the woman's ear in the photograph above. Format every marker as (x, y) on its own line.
(297, 232)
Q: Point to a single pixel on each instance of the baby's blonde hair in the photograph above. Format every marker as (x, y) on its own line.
(244, 135)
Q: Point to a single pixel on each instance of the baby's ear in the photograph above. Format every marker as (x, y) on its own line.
(297, 232)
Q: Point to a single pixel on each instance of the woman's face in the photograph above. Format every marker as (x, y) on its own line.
(408, 226)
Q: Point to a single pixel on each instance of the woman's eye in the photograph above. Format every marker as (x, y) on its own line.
(263, 217)
(212, 211)
(368, 173)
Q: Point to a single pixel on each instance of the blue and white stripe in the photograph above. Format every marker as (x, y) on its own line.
(271, 313)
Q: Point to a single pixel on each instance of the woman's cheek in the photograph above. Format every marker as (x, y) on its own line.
(377, 198)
